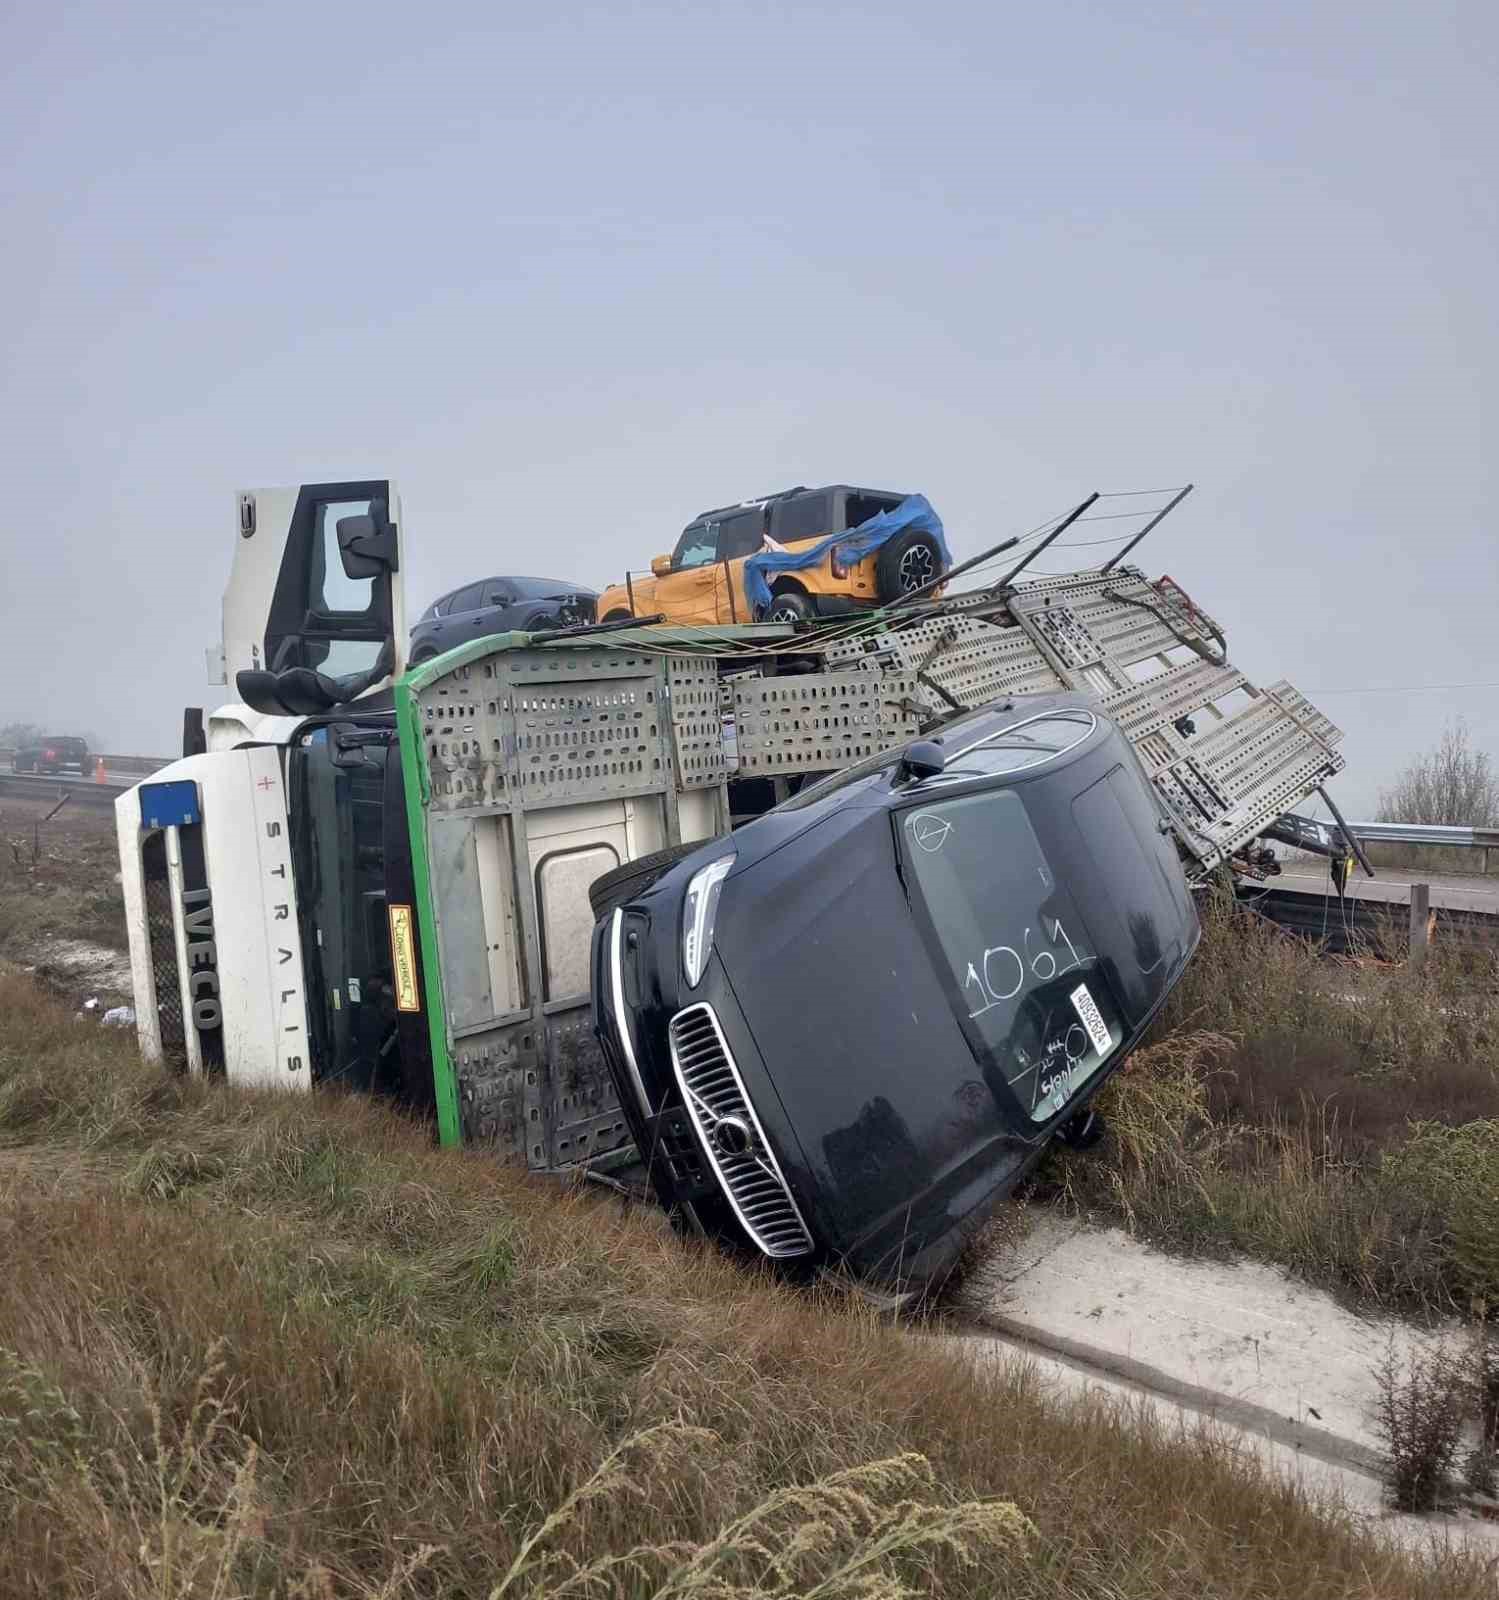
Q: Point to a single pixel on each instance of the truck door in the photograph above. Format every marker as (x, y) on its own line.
(316, 583)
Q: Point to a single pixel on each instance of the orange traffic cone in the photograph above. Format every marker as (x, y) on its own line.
(100, 776)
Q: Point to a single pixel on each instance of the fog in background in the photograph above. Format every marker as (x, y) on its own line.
(572, 273)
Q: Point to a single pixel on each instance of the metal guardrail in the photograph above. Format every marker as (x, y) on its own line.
(1426, 833)
(1350, 926)
(80, 791)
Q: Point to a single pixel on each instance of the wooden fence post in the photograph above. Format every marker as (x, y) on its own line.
(1420, 938)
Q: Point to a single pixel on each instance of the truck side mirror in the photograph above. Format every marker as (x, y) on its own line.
(347, 744)
(367, 543)
(660, 566)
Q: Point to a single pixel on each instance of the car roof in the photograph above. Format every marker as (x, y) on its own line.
(791, 494)
(513, 577)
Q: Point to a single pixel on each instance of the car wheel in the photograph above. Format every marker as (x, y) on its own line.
(419, 656)
(790, 606)
(618, 615)
(1083, 1131)
(906, 563)
(623, 883)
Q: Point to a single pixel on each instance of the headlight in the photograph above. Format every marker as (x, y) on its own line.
(698, 911)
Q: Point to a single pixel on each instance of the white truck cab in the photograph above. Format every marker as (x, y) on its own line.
(243, 864)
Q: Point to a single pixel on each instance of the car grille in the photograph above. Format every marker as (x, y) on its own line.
(732, 1137)
(161, 933)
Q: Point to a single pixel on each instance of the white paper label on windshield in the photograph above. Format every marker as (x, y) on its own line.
(1092, 1019)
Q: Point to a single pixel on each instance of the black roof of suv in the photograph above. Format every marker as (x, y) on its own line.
(791, 494)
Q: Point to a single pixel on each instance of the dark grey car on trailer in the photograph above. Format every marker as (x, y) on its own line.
(842, 1032)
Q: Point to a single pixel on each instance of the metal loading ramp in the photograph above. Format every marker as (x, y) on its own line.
(1149, 658)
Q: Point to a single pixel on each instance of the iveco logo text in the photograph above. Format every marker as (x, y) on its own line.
(202, 958)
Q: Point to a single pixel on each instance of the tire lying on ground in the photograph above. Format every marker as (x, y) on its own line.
(625, 882)
(905, 563)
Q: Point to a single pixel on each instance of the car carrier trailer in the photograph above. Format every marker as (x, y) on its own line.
(366, 875)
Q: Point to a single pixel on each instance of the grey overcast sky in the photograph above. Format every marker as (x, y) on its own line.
(570, 273)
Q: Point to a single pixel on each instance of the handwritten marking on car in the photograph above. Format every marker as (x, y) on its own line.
(929, 831)
(992, 970)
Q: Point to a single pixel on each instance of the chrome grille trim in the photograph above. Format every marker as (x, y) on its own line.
(713, 1092)
(622, 1013)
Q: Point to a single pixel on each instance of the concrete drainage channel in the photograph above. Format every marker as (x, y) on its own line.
(1270, 1365)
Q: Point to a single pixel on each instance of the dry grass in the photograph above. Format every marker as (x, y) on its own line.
(58, 879)
(281, 1346)
(1341, 1121)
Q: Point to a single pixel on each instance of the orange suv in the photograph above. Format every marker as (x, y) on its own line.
(703, 580)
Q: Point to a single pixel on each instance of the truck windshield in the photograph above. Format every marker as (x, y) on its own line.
(1026, 983)
(336, 820)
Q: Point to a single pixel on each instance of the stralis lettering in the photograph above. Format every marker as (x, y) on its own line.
(202, 958)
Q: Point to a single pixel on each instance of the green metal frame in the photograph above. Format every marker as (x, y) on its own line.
(416, 778)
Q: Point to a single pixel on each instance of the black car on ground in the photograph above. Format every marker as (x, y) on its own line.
(841, 1033)
(499, 605)
(59, 754)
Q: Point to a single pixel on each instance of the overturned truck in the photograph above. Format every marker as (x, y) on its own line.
(824, 930)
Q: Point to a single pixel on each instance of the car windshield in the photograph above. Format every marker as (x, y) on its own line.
(1026, 984)
(697, 546)
(336, 817)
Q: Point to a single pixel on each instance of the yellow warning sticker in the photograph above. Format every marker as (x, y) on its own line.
(403, 958)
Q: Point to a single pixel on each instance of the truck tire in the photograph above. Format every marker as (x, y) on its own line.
(625, 882)
(790, 605)
(905, 563)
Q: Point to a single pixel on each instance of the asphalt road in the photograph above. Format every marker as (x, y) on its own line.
(1449, 891)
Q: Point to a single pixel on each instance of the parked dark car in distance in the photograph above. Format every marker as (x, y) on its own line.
(843, 1032)
(499, 605)
(51, 755)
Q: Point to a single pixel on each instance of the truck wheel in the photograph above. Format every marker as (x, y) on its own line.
(623, 883)
(905, 563)
(790, 605)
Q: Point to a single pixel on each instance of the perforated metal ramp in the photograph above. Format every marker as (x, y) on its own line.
(537, 771)
(1226, 757)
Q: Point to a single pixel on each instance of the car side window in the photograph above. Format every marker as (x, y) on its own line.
(807, 517)
(697, 546)
(741, 535)
(859, 508)
(465, 600)
(498, 593)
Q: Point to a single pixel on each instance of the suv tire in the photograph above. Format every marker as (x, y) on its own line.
(619, 614)
(623, 883)
(790, 605)
(905, 563)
